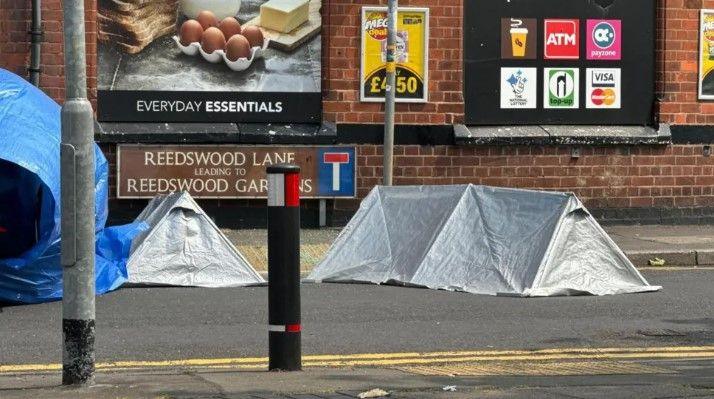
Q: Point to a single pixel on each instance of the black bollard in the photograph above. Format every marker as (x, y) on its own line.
(284, 268)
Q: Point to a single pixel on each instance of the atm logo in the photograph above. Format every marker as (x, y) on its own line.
(336, 168)
(562, 39)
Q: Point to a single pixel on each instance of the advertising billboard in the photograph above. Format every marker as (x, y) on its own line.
(412, 80)
(561, 62)
(706, 55)
(209, 61)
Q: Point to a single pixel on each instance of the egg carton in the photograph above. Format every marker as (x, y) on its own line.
(241, 64)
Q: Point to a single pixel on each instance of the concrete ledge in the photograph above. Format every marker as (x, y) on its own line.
(247, 133)
(700, 258)
(561, 135)
(672, 258)
(705, 258)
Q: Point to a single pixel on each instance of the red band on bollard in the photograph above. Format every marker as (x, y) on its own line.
(292, 189)
(290, 328)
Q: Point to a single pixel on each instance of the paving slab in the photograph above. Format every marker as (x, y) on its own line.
(687, 379)
(677, 245)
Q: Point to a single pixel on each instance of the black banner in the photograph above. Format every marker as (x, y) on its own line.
(539, 62)
(409, 84)
(197, 106)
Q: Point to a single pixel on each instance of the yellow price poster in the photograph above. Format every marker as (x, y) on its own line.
(412, 48)
(706, 55)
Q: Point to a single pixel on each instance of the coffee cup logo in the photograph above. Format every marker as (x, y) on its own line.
(518, 37)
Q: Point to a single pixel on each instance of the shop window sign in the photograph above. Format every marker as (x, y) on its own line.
(570, 62)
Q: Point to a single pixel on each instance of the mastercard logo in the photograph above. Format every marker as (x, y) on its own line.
(603, 97)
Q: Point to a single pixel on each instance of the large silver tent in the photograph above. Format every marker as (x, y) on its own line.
(183, 247)
(481, 240)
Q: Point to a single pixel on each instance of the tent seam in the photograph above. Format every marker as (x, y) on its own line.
(545, 262)
(441, 229)
(386, 228)
(488, 240)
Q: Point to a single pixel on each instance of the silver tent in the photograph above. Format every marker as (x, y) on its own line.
(481, 240)
(183, 247)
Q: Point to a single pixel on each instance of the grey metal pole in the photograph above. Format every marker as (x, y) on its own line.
(36, 40)
(389, 98)
(77, 171)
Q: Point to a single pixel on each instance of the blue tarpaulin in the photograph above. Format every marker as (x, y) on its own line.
(30, 136)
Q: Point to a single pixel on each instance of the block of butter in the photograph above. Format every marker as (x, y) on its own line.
(284, 15)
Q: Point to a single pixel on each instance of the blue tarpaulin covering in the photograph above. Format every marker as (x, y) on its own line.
(30, 270)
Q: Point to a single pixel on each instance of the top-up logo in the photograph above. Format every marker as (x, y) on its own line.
(561, 88)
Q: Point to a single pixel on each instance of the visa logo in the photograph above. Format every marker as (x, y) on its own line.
(603, 77)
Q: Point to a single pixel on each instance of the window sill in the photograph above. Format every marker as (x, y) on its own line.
(562, 135)
(215, 133)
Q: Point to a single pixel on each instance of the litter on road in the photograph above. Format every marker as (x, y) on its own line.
(373, 393)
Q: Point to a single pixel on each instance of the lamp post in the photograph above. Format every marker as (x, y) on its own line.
(389, 98)
(77, 185)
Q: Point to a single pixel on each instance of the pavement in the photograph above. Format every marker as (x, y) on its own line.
(688, 245)
(649, 379)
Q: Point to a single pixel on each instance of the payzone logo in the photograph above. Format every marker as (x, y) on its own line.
(604, 39)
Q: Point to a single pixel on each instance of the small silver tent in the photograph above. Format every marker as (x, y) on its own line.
(481, 240)
(183, 247)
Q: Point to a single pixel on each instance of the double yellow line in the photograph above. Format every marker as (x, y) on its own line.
(399, 359)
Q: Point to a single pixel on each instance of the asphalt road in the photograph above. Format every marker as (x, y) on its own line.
(179, 323)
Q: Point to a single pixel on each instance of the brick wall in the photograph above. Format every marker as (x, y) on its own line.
(677, 62)
(603, 177)
(14, 46)
(15, 22)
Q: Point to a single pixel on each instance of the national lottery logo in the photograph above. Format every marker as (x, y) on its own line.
(604, 35)
(518, 88)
